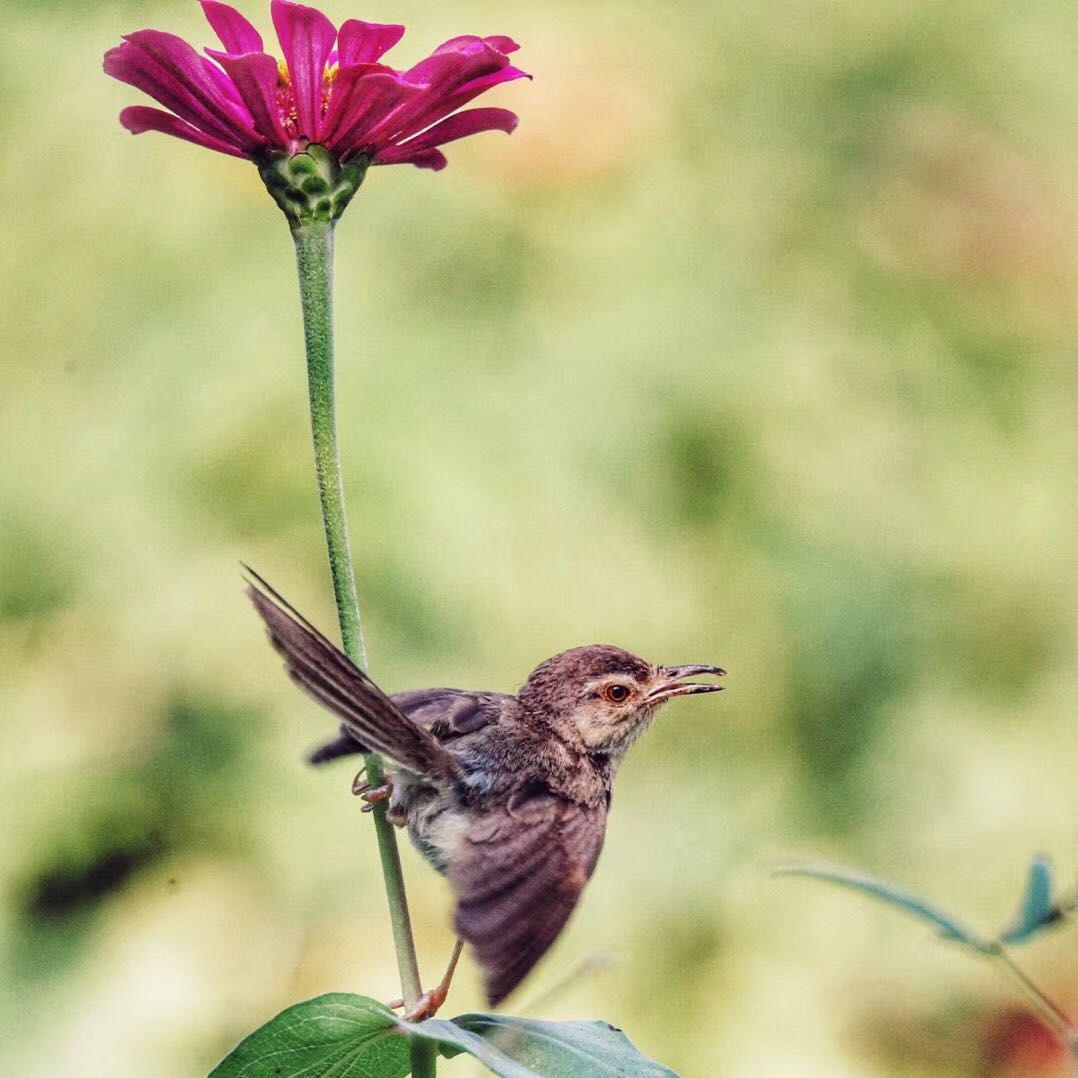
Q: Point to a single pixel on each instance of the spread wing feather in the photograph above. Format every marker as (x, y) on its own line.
(451, 713)
(327, 674)
(447, 713)
(517, 876)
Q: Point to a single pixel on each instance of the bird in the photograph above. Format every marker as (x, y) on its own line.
(506, 795)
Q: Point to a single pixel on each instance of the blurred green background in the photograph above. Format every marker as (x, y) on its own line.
(754, 344)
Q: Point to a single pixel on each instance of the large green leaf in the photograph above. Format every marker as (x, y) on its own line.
(947, 926)
(527, 1048)
(1037, 910)
(331, 1035)
(339, 1035)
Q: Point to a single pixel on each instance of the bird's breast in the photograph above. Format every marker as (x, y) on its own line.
(436, 820)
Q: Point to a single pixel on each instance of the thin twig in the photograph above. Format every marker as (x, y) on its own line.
(1049, 1010)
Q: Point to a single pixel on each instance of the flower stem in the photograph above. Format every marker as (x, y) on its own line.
(314, 259)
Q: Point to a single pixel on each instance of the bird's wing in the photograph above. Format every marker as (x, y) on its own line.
(517, 875)
(338, 684)
(448, 714)
(451, 713)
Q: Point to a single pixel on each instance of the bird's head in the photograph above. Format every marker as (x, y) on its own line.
(605, 697)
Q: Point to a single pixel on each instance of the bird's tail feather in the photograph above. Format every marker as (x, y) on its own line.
(345, 745)
(327, 674)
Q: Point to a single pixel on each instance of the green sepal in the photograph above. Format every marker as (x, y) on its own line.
(311, 185)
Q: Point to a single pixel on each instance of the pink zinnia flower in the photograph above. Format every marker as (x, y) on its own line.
(331, 89)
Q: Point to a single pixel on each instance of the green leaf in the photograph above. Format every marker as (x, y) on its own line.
(527, 1048)
(1037, 910)
(341, 1034)
(947, 926)
(334, 1034)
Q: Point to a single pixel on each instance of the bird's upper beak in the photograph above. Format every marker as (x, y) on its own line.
(672, 682)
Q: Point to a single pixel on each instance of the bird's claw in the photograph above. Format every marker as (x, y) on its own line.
(376, 796)
(427, 1005)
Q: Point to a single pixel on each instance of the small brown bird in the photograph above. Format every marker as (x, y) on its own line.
(507, 796)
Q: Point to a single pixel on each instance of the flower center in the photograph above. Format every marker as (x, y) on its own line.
(286, 100)
(329, 77)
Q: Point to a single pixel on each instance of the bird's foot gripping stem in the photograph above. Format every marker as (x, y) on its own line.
(427, 1005)
(376, 797)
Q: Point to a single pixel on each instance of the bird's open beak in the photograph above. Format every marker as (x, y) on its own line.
(673, 682)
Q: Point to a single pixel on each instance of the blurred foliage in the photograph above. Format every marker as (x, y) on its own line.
(754, 344)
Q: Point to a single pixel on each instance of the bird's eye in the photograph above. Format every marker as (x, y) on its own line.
(616, 693)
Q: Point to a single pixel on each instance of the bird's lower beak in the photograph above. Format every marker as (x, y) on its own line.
(673, 682)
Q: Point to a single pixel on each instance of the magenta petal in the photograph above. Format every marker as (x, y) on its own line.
(457, 60)
(461, 43)
(458, 126)
(365, 42)
(502, 44)
(236, 33)
(307, 38)
(485, 82)
(469, 92)
(361, 94)
(373, 98)
(254, 75)
(449, 67)
(433, 159)
(204, 81)
(172, 73)
(437, 107)
(140, 118)
(225, 86)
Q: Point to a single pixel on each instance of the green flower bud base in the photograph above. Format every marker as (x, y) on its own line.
(311, 185)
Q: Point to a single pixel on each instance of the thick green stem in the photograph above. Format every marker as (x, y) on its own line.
(314, 258)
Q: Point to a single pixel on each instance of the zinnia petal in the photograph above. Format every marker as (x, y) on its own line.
(254, 75)
(458, 126)
(442, 106)
(140, 118)
(172, 73)
(361, 42)
(473, 88)
(226, 88)
(236, 33)
(452, 65)
(502, 43)
(458, 59)
(362, 94)
(432, 159)
(330, 89)
(307, 38)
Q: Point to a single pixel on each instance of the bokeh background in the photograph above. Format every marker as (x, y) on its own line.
(754, 344)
